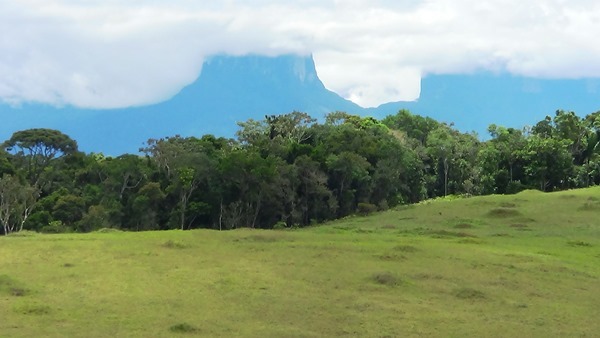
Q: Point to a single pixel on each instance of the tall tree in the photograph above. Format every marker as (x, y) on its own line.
(186, 165)
(36, 148)
(441, 143)
(17, 201)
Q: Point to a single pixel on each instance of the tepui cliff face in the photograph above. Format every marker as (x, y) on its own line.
(230, 89)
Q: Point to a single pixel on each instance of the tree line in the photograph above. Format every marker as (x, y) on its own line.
(285, 171)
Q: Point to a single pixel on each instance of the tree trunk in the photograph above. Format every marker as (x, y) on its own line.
(221, 216)
(256, 210)
(446, 177)
(183, 201)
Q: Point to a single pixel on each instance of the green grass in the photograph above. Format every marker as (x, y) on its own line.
(526, 265)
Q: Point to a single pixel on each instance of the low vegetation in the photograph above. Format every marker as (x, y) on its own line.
(405, 272)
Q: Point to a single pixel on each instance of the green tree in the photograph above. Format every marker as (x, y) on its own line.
(69, 209)
(315, 200)
(17, 201)
(548, 161)
(187, 165)
(146, 206)
(349, 177)
(36, 148)
(415, 126)
(441, 144)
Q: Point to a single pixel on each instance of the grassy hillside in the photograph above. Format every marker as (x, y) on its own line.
(506, 266)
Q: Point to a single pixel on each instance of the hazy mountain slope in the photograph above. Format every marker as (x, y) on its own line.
(228, 90)
(474, 101)
(231, 89)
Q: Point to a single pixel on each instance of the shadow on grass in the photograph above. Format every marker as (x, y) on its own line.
(170, 244)
(590, 206)
(11, 287)
(386, 278)
(263, 238)
(579, 244)
(503, 213)
(469, 294)
(33, 309)
(406, 248)
(450, 234)
(183, 328)
(520, 227)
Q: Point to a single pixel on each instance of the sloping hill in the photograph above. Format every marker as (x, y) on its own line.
(525, 265)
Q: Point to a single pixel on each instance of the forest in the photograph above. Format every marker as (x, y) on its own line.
(285, 171)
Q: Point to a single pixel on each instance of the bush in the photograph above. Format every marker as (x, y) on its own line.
(279, 225)
(515, 187)
(366, 208)
(55, 227)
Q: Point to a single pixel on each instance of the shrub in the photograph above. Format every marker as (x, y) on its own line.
(515, 187)
(55, 227)
(279, 225)
(365, 209)
(23, 233)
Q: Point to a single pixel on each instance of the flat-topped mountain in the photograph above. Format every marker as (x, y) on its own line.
(235, 88)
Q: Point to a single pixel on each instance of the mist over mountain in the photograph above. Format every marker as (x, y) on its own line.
(474, 101)
(231, 89)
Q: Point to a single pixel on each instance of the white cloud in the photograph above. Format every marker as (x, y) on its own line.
(113, 53)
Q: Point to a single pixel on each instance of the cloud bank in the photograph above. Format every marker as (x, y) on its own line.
(107, 54)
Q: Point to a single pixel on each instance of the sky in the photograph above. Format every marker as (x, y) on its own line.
(114, 53)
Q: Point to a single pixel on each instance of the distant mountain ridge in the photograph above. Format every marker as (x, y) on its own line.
(231, 89)
(474, 101)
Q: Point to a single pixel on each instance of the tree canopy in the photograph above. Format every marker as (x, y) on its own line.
(285, 171)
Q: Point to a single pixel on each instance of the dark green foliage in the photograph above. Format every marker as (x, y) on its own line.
(366, 208)
(35, 149)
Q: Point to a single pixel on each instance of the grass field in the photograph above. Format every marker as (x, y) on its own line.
(525, 265)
